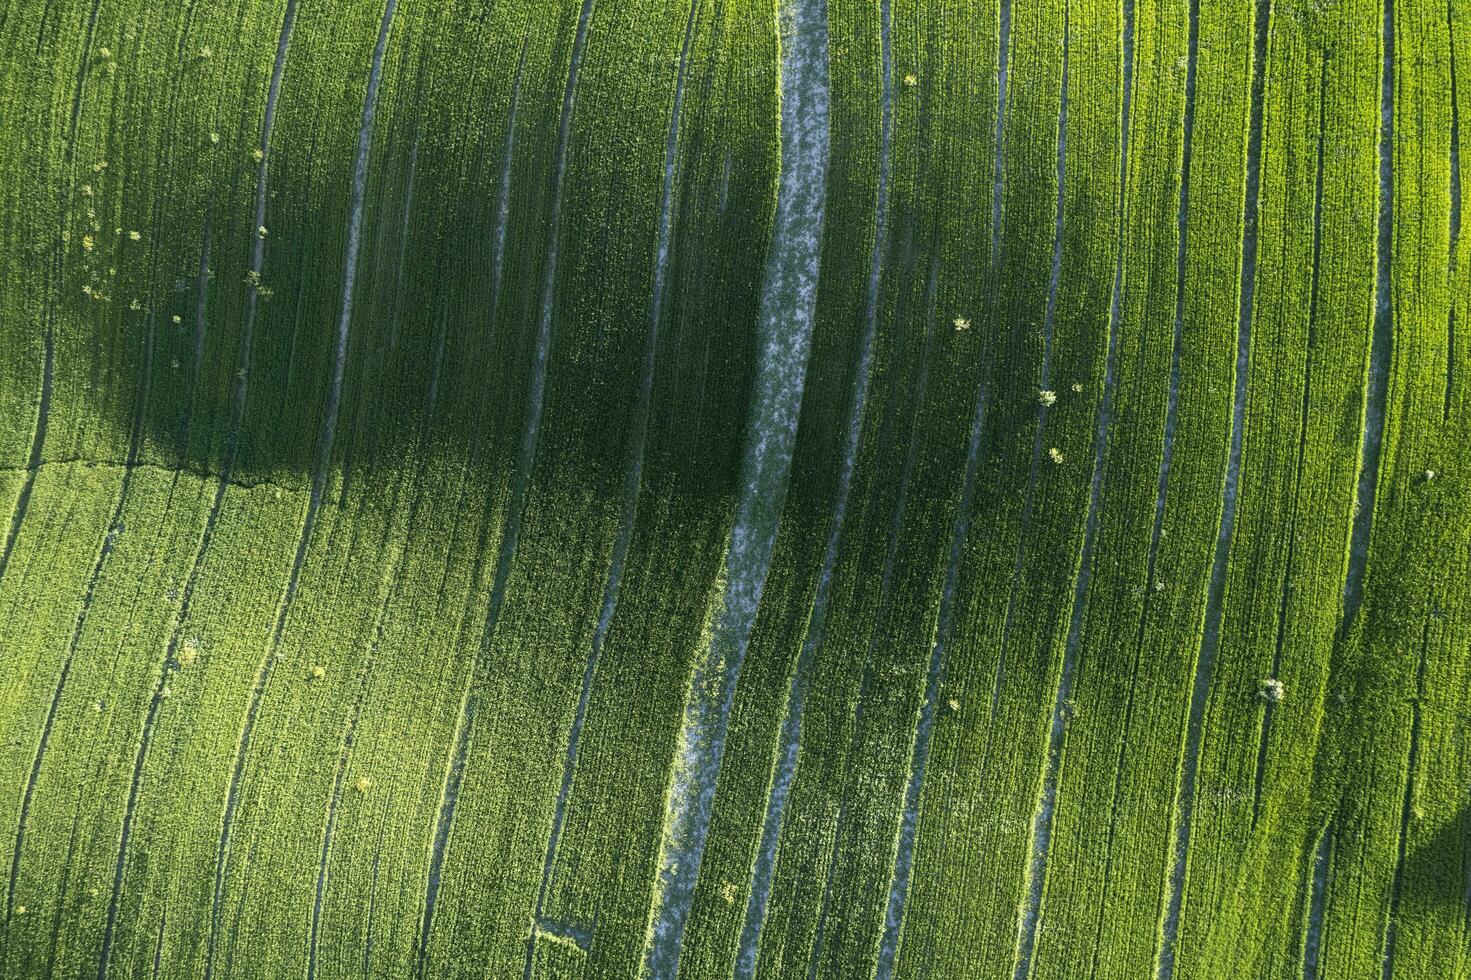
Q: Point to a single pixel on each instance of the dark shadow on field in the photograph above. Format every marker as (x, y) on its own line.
(454, 279)
(1438, 870)
(450, 289)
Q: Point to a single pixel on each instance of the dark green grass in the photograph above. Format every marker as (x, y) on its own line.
(1021, 722)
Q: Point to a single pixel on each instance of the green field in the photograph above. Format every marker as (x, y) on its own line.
(819, 488)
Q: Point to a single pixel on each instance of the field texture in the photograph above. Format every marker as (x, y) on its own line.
(727, 489)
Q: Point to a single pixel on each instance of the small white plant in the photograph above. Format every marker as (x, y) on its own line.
(1047, 397)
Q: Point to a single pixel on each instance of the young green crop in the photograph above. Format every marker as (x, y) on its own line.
(834, 488)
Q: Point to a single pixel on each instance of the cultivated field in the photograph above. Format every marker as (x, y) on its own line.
(707, 488)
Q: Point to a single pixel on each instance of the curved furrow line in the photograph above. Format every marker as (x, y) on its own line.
(1035, 875)
(631, 485)
(48, 342)
(319, 475)
(308, 165)
(196, 367)
(257, 250)
(1317, 903)
(787, 307)
(886, 576)
(395, 583)
(79, 89)
(497, 262)
(83, 792)
(403, 235)
(373, 890)
(237, 414)
(1215, 596)
(520, 481)
(1455, 194)
(114, 528)
(38, 444)
(1003, 58)
(503, 189)
(114, 525)
(924, 732)
(1381, 343)
(993, 298)
(1172, 409)
(163, 921)
(344, 755)
(536, 395)
(1269, 711)
(498, 243)
(934, 675)
(449, 798)
(235, 921)
(60, 908)
(786, 760)
(1048, 319)
(371, 366)
(1407, 811)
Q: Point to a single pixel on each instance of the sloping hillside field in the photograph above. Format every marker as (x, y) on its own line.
(727, 489)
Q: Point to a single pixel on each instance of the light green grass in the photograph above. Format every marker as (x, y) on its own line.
(990, 781)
